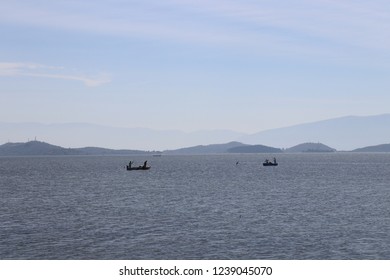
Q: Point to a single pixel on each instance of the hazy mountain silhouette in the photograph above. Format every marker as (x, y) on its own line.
(344, 133)
(231, 147)
(34, 148)
(310, 148)
(83, 135)
(38, 148)
(205, 149)
(374, 149)
(254, 149)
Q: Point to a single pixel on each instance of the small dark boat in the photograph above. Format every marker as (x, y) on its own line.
(270, 163)
(141, 167)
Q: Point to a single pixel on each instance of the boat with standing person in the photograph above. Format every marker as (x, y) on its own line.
(267, 162)
(141, 167)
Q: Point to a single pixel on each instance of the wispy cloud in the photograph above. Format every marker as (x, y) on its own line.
(349, 22)
(50, 72)
(301, 26)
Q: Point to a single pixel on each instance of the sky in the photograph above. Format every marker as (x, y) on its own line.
(245, 65)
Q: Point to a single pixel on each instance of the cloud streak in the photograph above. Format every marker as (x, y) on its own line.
(267, 23)
(326, 31)
(17, 69)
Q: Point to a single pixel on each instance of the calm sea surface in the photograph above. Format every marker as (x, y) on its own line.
(311, 206)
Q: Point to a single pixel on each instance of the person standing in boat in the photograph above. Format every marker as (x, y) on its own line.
(130, 162)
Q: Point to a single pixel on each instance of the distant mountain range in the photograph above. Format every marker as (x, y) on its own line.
(238, 147)
(231, 147)
(205, 149)
(251, 149)
(84, 135)
(37, 148)
(345, 133)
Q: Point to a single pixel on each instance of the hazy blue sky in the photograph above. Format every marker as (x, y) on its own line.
(190, 65)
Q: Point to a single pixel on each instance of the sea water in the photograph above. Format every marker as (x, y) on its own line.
(311, 206)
